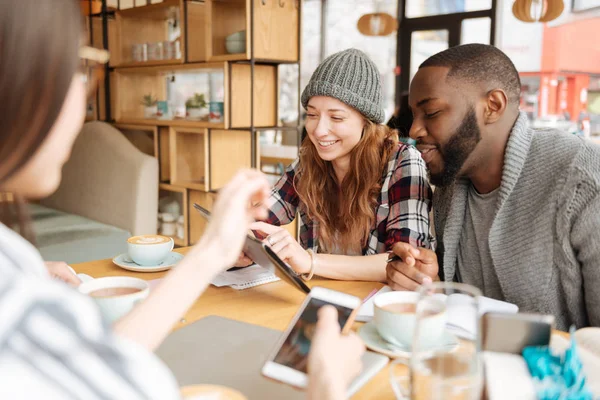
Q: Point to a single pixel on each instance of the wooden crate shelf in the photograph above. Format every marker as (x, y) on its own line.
(224, 82)
(169, 194)
(207, 26)
(143, 137)
(197, 156)
(149, 25)
(275, 34)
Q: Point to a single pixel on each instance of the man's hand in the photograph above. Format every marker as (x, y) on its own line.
(60, 270)
(415, 267)
(334, 359)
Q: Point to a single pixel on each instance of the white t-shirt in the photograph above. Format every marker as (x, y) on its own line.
(54, 343)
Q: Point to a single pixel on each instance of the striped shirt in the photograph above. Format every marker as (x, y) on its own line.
(54, 343)
(402, 211)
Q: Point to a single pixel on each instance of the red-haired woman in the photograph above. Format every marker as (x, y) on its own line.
(357, 189)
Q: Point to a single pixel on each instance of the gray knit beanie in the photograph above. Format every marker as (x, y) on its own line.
(351, 77)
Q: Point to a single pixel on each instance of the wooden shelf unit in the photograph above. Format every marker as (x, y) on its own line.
(204, 28)
(131, 84)
(198, 157)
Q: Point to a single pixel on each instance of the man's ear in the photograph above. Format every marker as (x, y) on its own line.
(495, 105)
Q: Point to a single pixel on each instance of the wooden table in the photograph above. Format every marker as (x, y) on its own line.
(272, 306)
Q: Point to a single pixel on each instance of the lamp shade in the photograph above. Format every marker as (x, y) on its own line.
(96, 6)
(537, 10)
(377, 24)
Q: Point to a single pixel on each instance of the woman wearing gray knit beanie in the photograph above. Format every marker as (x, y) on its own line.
(356, 188)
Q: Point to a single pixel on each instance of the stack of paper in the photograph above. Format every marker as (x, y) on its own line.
(245, 278)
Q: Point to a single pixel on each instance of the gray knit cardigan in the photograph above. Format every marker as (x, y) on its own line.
(545, 238)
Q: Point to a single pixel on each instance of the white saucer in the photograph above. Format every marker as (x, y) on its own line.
(123, 261)
(368, 333)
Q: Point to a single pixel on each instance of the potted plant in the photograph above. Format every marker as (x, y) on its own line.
(196, 106)
(149, 102)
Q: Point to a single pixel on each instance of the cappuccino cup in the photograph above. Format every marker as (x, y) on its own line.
(149, 250)
(395, 319)
(116, 295)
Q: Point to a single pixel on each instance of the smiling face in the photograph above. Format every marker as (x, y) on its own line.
(333, 127)
(444, 125)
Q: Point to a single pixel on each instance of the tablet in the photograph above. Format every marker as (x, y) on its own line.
(262, 255)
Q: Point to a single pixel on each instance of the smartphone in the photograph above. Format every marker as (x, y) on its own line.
(511, 333)
(289, 360)
(262, 255)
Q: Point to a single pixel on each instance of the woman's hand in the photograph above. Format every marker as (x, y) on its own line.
(243, 261)
(285, 246)
(232, 214)
(60, 270)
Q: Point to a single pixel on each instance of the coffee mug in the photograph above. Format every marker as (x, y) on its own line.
(149, 250)
(395, 318)
(116, 295)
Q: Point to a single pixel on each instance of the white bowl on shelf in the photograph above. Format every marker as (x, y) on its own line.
(235, 46)
(239, 35)
(236, 42)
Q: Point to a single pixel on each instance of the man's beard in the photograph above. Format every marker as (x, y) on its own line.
(456, 151)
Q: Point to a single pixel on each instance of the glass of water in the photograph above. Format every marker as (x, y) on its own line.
(445, 361)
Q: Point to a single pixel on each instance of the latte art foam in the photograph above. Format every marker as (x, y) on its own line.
(148, 239)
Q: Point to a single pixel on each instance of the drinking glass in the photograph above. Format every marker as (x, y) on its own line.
(450, 369)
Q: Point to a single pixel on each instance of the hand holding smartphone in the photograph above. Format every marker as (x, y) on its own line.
(289, 360)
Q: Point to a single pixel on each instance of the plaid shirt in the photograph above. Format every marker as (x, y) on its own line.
(402, 212)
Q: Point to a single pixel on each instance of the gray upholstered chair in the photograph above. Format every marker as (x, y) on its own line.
(108, 192)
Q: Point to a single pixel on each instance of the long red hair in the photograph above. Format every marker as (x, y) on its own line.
(345, 211)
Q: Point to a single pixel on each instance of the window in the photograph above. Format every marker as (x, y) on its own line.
(426, 8)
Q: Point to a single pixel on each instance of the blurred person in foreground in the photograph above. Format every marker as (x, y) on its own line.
(54, 344)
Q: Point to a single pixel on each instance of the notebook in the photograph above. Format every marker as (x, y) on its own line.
(456, 303)
(245, 278)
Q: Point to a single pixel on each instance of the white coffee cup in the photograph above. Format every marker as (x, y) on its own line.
(397, 327)
(149, 250)
(108, 293)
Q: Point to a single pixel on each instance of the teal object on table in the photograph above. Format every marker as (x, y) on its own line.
(556, 377)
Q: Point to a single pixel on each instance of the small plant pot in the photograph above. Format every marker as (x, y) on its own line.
(150, 112)
(197, 113)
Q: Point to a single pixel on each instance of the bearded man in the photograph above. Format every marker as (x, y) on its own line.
(516, 211)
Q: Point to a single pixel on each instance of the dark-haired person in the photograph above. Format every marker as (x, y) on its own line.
(54, 344)
(356, 188)
(516, 211)
(402, 118)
